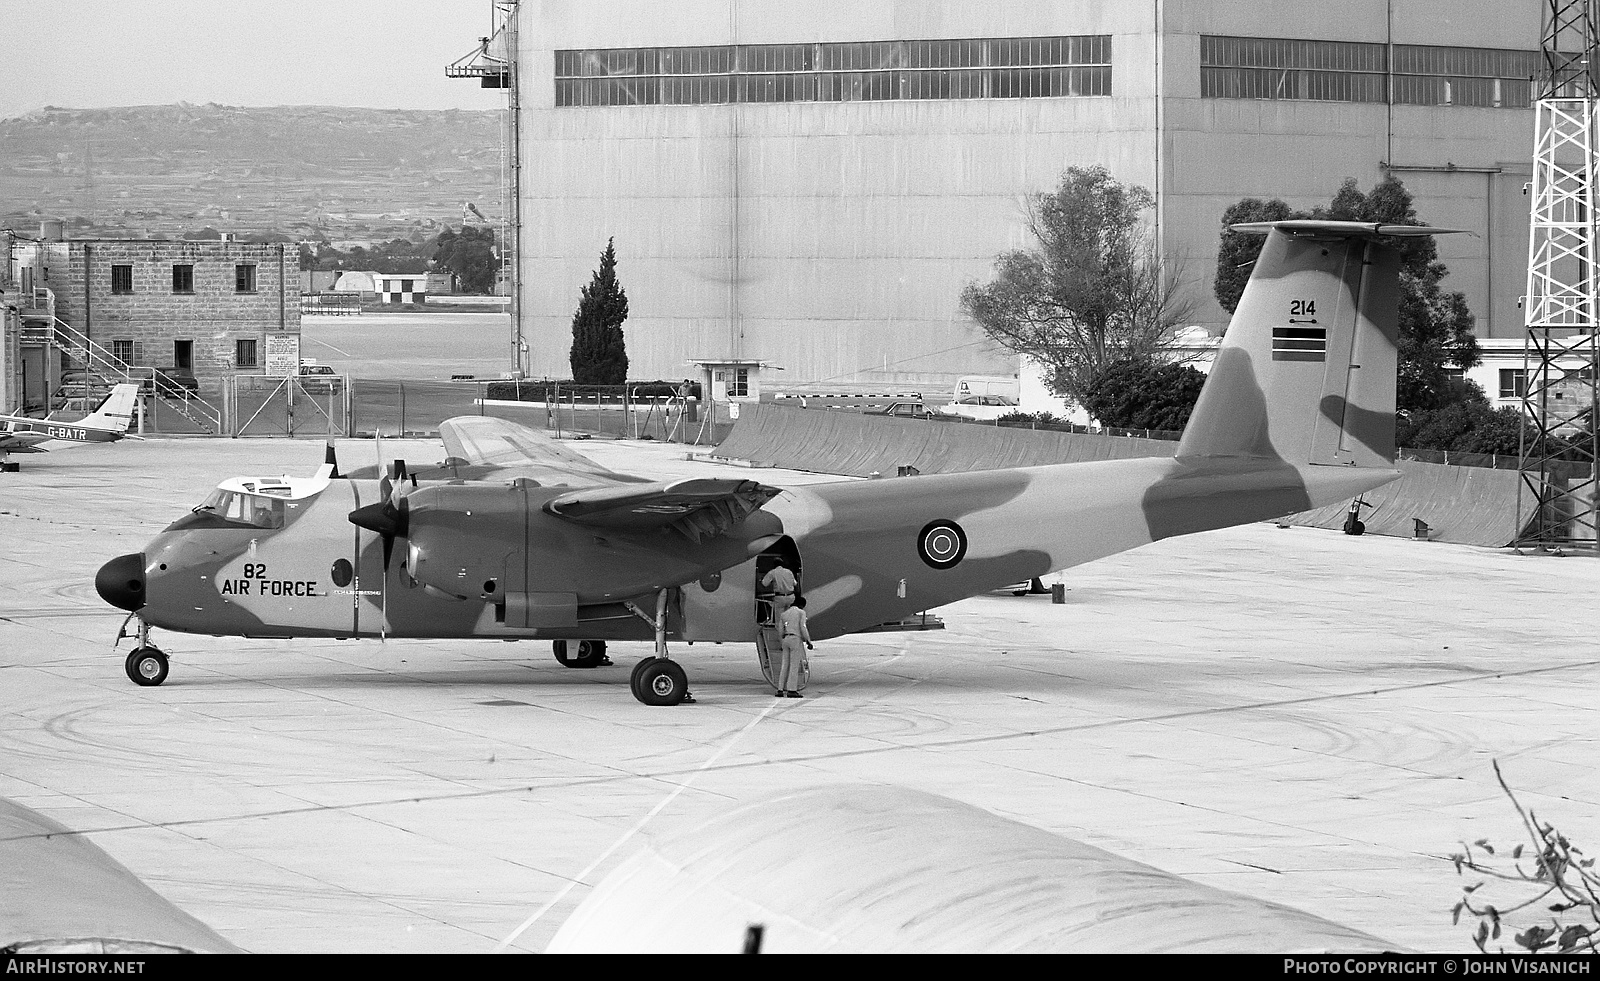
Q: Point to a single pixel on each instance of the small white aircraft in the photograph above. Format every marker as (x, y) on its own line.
(108, 423)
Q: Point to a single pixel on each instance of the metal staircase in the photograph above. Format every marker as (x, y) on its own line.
(40, 325)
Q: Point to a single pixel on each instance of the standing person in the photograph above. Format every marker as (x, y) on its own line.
(795, 633)
(781, 582)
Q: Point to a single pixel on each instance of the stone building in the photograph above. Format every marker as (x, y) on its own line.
(204, 309)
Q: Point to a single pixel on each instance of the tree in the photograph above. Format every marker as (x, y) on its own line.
(1435, 326)
(1092, 291)
(1557, 884)
(598, 353)
(470, 255)
(1140, 393)
(1238, 250)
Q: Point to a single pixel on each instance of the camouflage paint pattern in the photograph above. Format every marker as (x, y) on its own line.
(1298, 413)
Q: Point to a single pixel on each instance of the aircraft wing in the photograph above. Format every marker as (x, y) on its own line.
(483, 443)
(25, 442)
(698, 507)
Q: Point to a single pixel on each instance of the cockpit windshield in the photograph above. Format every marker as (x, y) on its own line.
(253, 510)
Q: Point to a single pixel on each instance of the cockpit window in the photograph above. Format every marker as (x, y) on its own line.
(253, 510)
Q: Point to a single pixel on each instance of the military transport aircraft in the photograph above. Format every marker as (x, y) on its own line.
(514, 536)
(108, 423)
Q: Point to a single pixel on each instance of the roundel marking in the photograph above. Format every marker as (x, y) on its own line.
(942, 544)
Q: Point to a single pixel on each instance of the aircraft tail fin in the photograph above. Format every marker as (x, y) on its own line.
(115, 414)
(1306, 371)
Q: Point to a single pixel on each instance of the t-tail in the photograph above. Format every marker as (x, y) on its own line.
(115, 414)
(1306, 371)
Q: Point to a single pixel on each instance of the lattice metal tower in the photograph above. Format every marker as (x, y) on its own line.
(494, 64)
(1556, 500)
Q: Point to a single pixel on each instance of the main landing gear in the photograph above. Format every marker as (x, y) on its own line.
(146, 664)
(660, 680)
(587, 654)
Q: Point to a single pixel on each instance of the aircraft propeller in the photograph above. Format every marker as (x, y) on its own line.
(389, 518)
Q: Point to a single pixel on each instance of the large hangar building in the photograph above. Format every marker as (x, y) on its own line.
(811, 185)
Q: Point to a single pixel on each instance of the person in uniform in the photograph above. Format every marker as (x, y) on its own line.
(795, 633)
(781, 583)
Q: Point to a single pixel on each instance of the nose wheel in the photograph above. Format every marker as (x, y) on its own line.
(146, 666)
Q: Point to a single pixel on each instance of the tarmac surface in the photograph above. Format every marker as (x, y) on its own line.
(1292, 714)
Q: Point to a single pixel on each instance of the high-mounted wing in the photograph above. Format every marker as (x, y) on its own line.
(697, 508)
(22, 442)
(483, 443)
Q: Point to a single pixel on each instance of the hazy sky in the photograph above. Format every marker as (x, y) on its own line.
(379, 53)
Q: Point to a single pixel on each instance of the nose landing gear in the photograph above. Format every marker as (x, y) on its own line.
(146, 664)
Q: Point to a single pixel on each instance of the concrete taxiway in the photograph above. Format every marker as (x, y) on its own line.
(1292, 714)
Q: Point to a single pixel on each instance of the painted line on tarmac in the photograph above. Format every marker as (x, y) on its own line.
(581, 877)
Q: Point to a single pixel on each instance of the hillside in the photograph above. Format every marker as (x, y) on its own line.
(306, 171)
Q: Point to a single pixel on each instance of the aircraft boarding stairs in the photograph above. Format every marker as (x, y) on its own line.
(769, 648)
(769, 642)
(41, 326)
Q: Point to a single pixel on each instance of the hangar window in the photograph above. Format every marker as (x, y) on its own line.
(183, 277)
(1351, 71)
(121, 279)
(122, 350)
(863, 71)
(244, 278)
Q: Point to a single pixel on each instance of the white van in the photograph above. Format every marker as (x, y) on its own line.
(983, 397)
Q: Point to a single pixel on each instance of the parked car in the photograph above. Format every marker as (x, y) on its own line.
(81, 383)
(985, 407)
(904, 410)
(312, 368)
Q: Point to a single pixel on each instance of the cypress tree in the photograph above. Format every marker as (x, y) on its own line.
(599, 356)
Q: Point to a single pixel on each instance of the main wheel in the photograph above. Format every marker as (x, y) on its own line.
(1357, 527)
(146, 666)
(659, 681)
(590, 654)
(633, 678)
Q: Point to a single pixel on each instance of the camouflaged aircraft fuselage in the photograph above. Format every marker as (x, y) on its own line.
(1298, 412)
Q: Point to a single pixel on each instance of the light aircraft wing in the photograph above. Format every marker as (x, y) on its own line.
(507, 449)
(24, 442)
(698, 507)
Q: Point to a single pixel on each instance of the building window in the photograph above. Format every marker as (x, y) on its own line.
(183, 278)
(122, 279)
(244, 352)
(1350, 71)
(244, 278)
(865, 71)
(122, 351)
(739, 383)
(1513, 383)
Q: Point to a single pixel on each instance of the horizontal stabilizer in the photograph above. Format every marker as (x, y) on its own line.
(507, 449)
(698, 508)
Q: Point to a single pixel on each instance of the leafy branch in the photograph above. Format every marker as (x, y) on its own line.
(1563, 880)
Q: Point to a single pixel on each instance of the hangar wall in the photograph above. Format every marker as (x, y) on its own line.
(833, 238)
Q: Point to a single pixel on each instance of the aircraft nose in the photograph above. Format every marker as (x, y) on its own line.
(120, 582)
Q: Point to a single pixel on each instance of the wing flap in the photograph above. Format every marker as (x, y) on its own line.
(698, 508)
